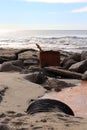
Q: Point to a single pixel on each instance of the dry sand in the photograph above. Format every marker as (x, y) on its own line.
(19, 92)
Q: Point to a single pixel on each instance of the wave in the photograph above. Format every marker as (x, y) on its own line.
(69, 43)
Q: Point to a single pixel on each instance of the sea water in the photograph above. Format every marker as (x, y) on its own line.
(67, 40)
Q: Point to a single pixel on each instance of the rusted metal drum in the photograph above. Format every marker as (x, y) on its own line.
(48, 105)
(49, 58)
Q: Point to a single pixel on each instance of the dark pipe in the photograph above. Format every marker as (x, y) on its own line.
(49, 105)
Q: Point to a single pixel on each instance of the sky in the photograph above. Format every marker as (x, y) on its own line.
(43, 14)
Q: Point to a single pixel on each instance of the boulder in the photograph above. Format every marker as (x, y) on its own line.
(84, 55)
(7, 58)
(84, 77)
(17, 63)
(3, 60)
(4, 127)
(76, 57)
(63, 62)
(7, 66)
(31, 61)
(31, 69)
(56, 84)
(80, 67)
(36, 77)
(34, 68)
(68, 63)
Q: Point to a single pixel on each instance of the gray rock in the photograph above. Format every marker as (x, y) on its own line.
(31, 69)
(84, 55)
(7, 66)
(35, 68)
(68, 63)
(2, 60)
(76, 57)
(31, 61)
(63, 62)
(37, 77)
(4, 127)
(56, 84)
(80, 67)
(17, 63)
(84, 77)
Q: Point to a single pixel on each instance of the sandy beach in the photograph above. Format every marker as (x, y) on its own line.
(16, 93)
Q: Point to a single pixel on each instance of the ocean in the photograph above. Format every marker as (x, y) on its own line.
(67, 40)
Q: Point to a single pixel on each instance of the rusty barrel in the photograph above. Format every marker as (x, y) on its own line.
(49, 58)
(48, 105)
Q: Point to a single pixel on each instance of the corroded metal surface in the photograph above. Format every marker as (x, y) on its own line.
(75, 97)
(49, 58)
(48, 105)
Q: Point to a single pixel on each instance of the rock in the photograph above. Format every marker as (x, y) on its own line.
(7, 58)
(1, 98)
(56, 84)
(76, 57)
(80, 67)
(48, 105)
(2, 92)
(31, 69)
(57, 89)
(3, 60)
(17, 63)
(37, 77)
(2, 115)
(63, 62)
(31, 61)
(4, 127)
(64, 84)
(68, 63)
(84, 77)
(35, 68)
(47, 87)
(7, 66)
(65, 54)
(84, 55)
(25, 71)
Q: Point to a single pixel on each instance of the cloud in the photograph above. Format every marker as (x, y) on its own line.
(57, 1)
(81, 10)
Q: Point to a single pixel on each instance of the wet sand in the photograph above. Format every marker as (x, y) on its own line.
(75, 97)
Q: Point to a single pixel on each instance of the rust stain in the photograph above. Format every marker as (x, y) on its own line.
(49, 58)
(75, 97)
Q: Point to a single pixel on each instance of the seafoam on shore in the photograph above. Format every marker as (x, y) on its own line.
(68, 40)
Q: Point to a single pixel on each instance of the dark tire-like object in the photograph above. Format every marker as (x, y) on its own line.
(49, 105)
